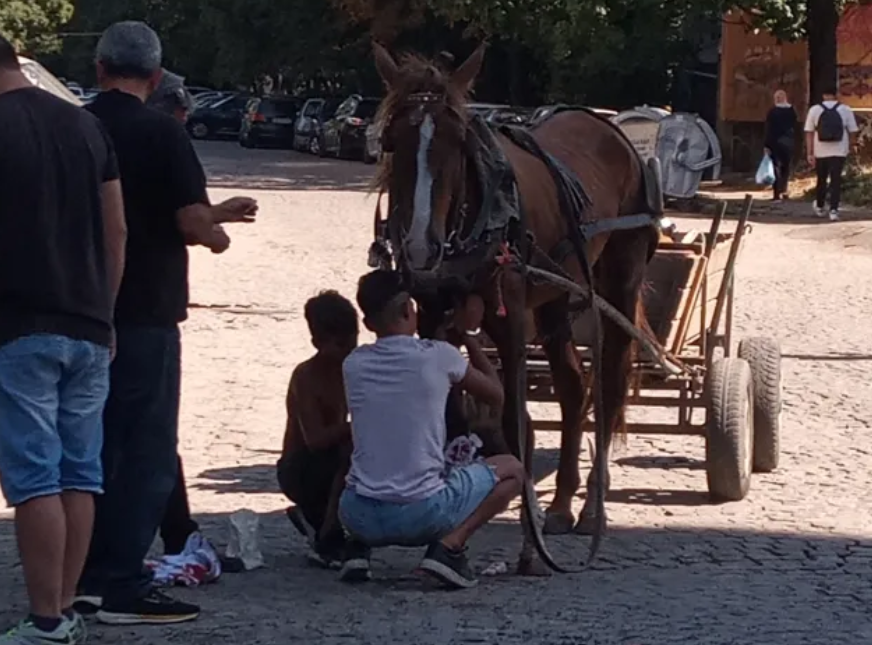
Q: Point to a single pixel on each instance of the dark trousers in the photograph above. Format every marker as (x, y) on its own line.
(177, 523)
(140, 462)
(307, 478)
(829, 169)
(782, 157)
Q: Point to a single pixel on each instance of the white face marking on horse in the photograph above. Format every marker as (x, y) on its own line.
(416, 240)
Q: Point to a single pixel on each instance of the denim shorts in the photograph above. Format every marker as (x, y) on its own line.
(413, 524)
(52, 393)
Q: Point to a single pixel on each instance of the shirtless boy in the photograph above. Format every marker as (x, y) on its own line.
(317, 443)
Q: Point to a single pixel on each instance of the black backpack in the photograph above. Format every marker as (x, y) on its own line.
(830, 126)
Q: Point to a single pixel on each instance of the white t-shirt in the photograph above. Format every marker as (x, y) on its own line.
(824, 149)
(397, 389)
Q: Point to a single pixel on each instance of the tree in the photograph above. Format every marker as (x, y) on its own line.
(32, 25)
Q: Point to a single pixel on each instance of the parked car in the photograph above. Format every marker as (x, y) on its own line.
(44, 79)
(196, 90)
(205, 99)
(344, 135)
(544, 112)
(310, 123)
(221, 119)
(269, 120)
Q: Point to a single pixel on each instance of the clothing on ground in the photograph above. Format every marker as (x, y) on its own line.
(197, 563)
(381, 523)
(826, 149)
(52, 393)
(54, 157)
(161, 175)
(396, 389)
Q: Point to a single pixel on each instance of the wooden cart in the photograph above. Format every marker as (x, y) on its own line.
(736, 397)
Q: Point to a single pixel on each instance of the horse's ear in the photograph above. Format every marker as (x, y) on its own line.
(465, 75)
(385, 64)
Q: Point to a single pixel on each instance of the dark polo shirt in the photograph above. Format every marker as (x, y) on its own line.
(160, 174)
(54, 157)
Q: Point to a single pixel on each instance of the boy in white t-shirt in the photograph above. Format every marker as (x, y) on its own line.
(399, 490)
(830, 130)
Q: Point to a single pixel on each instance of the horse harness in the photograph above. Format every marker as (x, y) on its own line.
(498, 239)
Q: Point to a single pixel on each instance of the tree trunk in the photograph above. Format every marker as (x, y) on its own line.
(822, 21)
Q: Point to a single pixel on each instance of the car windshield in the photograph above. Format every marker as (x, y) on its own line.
(366, 109)
(279, 108)
(330, 107)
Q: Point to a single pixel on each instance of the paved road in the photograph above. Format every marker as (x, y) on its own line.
(791, 564)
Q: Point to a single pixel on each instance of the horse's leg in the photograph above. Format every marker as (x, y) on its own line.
(553, 325)
(507, 333)
(621, 272)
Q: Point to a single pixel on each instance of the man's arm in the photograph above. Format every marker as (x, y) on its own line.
(303, 404)
(114, 235)
(853, 129)
(810, 125)
(481, 379)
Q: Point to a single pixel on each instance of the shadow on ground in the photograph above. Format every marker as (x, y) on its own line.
(232, 167)
(651, 586)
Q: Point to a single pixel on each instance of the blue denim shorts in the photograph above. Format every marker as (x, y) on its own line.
(413, 524)
(52, 393)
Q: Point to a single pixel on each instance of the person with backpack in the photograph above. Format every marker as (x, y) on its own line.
(830, 130)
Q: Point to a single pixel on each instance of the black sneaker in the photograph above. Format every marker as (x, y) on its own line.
(448, 566)
(355, 567)
(87, 604)
(155, 609)
(329, 554)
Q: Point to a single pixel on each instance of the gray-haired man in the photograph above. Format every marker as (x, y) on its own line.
(166, 208)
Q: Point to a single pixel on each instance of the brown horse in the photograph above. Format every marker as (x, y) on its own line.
(436, 196)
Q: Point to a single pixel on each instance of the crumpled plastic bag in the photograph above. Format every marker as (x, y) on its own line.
(765, 172)
(244, 537)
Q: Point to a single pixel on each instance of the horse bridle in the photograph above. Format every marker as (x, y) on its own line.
(458, 210)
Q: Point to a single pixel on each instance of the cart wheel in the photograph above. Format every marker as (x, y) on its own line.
(764, 357)
(729, 429)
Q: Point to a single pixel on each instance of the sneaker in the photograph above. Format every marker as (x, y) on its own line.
(330, 556)
(154, 609)
(818, 211)
(299, 521)
(87, 604)
(26, 633)
(78, 629)
(834, 215)
(448, 566)
(355, 567)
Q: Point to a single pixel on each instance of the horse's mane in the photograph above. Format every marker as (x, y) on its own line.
(416, 75)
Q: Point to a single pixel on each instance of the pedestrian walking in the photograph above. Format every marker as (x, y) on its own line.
(780, 141)
(167, 209)
(62, 246)
(830, 132)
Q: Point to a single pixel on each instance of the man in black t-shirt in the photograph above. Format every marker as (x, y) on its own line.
(167, 209)
(61, 259)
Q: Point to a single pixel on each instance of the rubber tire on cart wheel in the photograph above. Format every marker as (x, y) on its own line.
(199, 130)
(729, 445)
(764, 357)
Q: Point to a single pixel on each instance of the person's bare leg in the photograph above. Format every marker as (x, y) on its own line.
(79, 510)
(331, 515)
(510, 474)
(41, 529)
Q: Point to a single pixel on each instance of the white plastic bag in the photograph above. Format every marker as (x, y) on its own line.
(244, 534)
(765, 171)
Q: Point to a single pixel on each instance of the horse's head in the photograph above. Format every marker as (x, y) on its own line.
(424, 125)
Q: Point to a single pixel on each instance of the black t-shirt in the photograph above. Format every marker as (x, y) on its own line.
(54, 157)
(160, 174)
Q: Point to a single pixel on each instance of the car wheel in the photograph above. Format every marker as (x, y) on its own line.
(199, 130)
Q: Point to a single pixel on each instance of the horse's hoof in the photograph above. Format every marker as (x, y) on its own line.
(533, 568)
(586, 525)
(557, 524)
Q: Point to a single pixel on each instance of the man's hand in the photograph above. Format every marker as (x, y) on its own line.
(235, 209)
(219, 241)
(811, 160)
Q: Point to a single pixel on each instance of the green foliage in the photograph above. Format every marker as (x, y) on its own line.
(31, 25)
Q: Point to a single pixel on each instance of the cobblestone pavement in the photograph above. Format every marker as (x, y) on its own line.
(790, 564)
